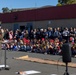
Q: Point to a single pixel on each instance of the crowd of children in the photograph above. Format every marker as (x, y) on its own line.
(46, 41)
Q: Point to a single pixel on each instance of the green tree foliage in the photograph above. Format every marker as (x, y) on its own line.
(71, 2)
(5, 10)
(59, 4)
(64, 2)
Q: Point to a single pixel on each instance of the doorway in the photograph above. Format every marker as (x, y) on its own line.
(29, 27)
(15, 27)
(22, 28)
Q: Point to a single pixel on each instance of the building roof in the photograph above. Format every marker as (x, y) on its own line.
(39, 14)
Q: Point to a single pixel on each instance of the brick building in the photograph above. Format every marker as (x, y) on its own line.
(55, 16)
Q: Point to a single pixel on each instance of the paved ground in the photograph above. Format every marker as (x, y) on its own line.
(19, 65)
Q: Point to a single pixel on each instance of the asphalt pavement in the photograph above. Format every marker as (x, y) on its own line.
(20, 65)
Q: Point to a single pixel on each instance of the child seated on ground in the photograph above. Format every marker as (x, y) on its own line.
(73, 49)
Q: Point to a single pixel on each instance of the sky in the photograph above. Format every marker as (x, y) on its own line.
(12, 4)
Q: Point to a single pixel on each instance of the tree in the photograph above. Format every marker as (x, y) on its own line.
(64, 2)
(59, 4)
(71, 2)
(5, 9)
